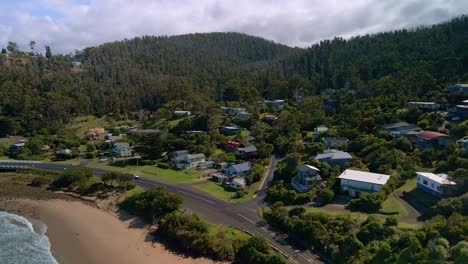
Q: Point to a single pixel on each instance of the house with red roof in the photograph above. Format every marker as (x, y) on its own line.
(231, 146)
(431, 139)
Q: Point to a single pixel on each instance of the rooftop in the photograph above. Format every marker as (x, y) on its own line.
(425, 103)
(248, 149)
(334, 154)
(241, 166)
(363, 176)
(307, 167)
(396, 125)
(195, 156)
(429, 135)
(439, 178)
(462, 84)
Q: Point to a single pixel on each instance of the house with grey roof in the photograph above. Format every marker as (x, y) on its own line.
(230, 130)
(121, 149)
(180, 114)
(334, 142)
(458, 88)
(307, 177)
(249, 152)
(334, 157)
(400, 128)
(234, 170)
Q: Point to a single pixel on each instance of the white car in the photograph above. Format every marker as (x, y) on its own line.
(136, 177)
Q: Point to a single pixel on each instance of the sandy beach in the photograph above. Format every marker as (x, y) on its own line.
(81, 233)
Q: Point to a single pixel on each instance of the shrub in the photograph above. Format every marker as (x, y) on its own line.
(240, 194)
(368, 202)
(152, 203)
(391, 221)
(326, 196)
(73, 177)
(130, 186)
(40, 181)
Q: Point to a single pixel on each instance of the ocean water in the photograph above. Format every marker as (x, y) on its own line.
(21, 244)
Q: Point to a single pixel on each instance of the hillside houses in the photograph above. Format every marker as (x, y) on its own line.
(334, 157)
(400, 128)
(307, 177)
(355, 182)
(432, 183)
(182, 160)
(425, 106)
(458, 88)
(334, 142)
(181, 114)
(431, 139)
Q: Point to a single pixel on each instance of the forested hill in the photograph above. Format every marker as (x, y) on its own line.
(208, 56)
(403, 62)
(196, 70)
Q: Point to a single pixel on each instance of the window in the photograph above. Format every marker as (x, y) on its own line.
(424, 182)
(432, 184)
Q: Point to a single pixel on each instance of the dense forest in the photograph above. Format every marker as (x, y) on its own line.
(39, 93)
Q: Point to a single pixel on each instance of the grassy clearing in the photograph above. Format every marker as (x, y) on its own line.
(218, 152)
(359, 217)
(408, 186)
(392, 206)
(81, 125)
(167, 175)
(226, 193)
(230, 232)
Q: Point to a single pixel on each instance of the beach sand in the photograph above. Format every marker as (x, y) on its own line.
(81, 233)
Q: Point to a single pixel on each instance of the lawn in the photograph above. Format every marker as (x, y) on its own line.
(225, 193)
(167, 175)
(392, 206)
(360, 217)
(230, 232)
(408, 186)
(218, 152)
(419, 199)
(81, 125)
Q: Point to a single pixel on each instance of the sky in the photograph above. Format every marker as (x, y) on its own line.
(69, 25)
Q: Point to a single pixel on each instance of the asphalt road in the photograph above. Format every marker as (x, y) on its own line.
(242, 215)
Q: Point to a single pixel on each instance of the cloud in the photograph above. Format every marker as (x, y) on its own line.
(67, 25)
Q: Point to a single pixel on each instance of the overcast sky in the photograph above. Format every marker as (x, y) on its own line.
(67, 25)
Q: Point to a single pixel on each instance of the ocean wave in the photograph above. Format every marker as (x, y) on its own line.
(20, 243)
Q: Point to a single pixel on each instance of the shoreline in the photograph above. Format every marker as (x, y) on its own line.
(81, 233)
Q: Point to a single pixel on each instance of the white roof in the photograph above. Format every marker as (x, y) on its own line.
(363, 176)
(431, 103)
(307, 167)
(439, 178)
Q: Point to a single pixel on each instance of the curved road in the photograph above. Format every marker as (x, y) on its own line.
(242, 215)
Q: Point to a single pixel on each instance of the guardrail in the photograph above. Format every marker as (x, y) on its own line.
(20, 161)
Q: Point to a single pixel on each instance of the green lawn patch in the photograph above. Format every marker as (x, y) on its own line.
(230, 232)
(360, 217)
(167, 175)
(226, 193)
(408, 186)
(392, 206)
(218, 152)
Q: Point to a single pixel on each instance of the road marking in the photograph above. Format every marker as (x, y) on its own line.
(196, 196)
(253, 222)
(251, 210)
(265, 177)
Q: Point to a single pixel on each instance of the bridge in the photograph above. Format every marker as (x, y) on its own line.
(14, 165)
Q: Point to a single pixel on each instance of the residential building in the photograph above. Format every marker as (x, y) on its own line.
(319, 130)
(270, 118)
(431, 139)
(96, 133)
(334, 157)
(462, 112)
(206, 165)
(355, 182)
(275, 104)
(238, 183)
(122, 149)
(400, 128)
(230, 130)
(458, 88)
(432, 183)
(232, 110)
(16, 147)
(234, 170)
(189, 161)
(464, 143)
(307, 177)
(425, 106)
(231, 146)
(334, 142)
(249, 152)
(243, 115)
(180, 114)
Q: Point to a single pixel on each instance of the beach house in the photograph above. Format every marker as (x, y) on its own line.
(334, 157)
(355, 182)
(121, 149)
(307, 176)
(432, 183)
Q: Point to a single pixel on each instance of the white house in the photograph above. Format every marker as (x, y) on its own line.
(307, 176)
(122, 149)
(427, 106)
(432, 183)
(179, 114)
(238, 183)
(189, 161)
(355, 182)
